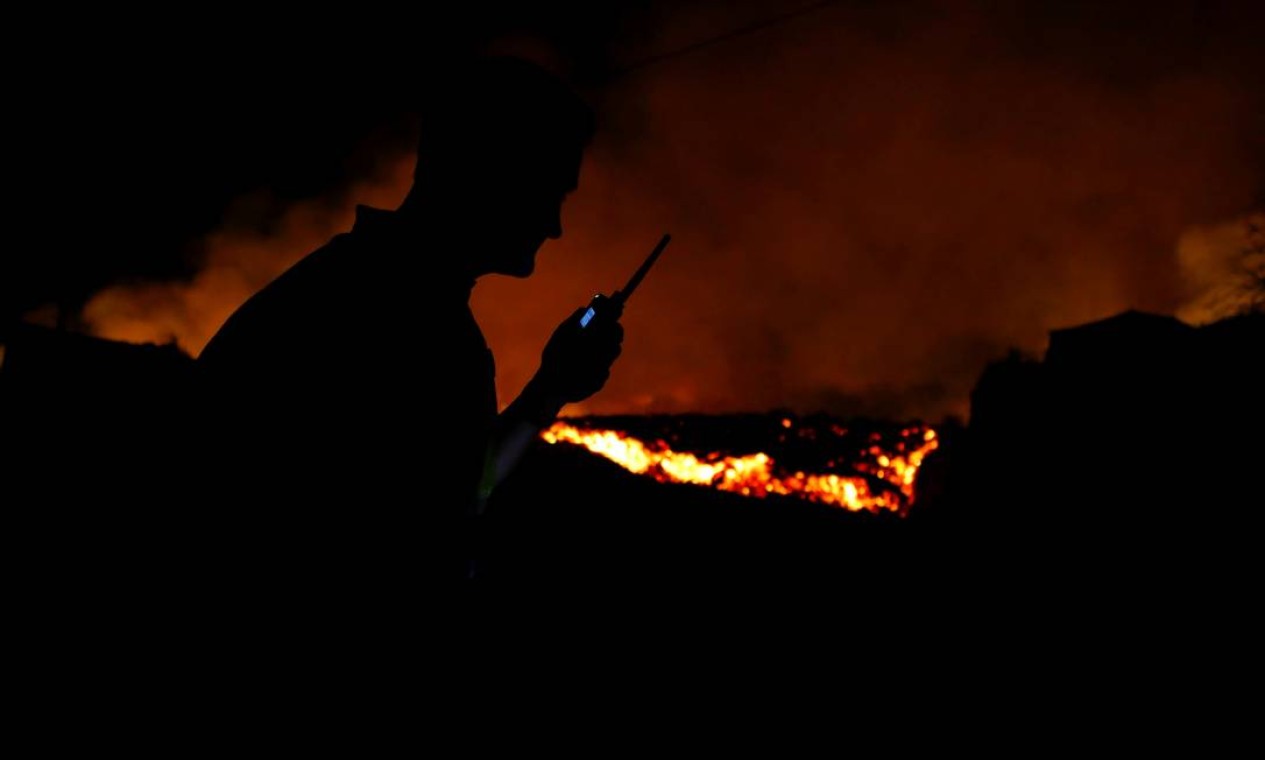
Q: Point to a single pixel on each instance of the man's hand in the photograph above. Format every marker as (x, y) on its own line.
(577, 361)
(575, 364)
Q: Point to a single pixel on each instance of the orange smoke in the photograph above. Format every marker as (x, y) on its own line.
(868, 205)
(238, 261)
(1224, 265)
(757, 475)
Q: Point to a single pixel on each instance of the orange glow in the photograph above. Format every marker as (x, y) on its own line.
(807, 272)
(756, 475)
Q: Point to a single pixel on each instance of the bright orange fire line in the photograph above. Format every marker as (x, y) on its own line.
(754, 474)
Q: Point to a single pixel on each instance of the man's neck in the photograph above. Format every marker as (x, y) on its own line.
(428, 225)
(429, 235)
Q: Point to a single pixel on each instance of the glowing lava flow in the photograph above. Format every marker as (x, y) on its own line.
(757, 475)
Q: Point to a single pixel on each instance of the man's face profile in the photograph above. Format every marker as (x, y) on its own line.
(523, 209)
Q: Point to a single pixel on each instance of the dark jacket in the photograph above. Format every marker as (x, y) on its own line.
(352, 399)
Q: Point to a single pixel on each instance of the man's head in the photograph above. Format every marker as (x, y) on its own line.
(500, 149)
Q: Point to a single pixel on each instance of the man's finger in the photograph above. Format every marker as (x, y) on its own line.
(611, 332)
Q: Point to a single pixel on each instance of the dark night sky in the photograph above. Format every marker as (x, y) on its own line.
(148, 128)
(870, 200)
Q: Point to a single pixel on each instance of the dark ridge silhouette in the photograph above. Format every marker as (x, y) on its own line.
(1135, 412)
(1121, 463)
(1123, 460)
(39, 358)
(99, 517)
(569, 517)
(92, 405)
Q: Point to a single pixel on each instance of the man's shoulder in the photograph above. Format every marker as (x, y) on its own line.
(296, 300)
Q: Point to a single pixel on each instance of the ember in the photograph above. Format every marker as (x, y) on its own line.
(881, 477)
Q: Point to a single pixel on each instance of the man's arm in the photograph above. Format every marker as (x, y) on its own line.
(575, 364)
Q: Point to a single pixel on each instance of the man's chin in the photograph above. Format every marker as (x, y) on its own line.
(519, 270)
(522, 267)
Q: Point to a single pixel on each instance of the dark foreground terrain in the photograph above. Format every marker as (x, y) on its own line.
(1126, 463)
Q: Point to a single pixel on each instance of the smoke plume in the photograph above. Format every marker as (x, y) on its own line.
(867, 204)
(1224, 266)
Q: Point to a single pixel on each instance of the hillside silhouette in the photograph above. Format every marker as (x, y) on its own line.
(1127, 453)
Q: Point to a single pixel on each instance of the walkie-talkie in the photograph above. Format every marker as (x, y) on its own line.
(602, 307)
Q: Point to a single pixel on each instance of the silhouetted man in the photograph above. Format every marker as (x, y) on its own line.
(356, 391)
